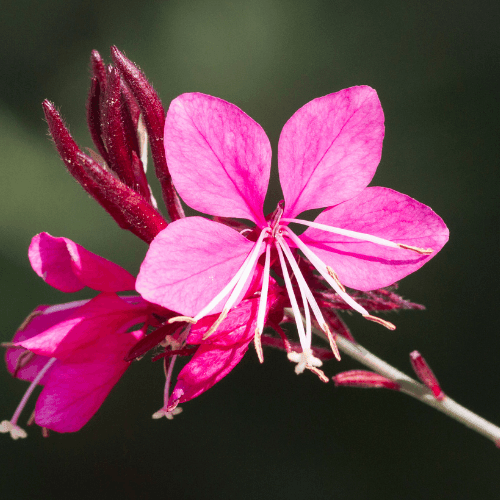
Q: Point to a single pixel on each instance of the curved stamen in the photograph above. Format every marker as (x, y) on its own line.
(310, 297)
(247, 267)
(220, 296)
(293, 301)
(261, 313)
(322, 269)
(360, 236)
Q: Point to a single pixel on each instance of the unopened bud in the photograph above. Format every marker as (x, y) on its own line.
(154, 118)
(365, 379)
(425, 374)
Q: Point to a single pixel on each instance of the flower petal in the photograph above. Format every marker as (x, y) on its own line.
(384, 213)
(75, 391)
(67, 339)
(190, 262)
(67, 266)
(330, 148)
(209, 365)
(24, 364)
(219, 158)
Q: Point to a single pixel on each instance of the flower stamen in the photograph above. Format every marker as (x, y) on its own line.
(308, 297)
(318, 372)
(380, 321)
(258, 345)
(245, 269)
(295, 307)
(360, 236)
(322, 269)
(335, 277)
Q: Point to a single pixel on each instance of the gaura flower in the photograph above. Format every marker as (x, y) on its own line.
(75, 350)
(219, 159)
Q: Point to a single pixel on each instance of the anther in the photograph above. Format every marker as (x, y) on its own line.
(380, 321)
(27, 321)
(331, 339)
(179, 319)
(335, 277)
(318, 372)
(423, 251)
(258, 345)
(216, 325)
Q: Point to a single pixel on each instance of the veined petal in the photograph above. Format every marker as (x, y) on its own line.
(75, 391)
(219, 158)
(67, 266)
(381, 212)
(68, 338)
(330, 148)
(21, 362)
(209, 365)
(190, 262)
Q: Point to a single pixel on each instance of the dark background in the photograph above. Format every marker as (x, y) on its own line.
(263, 432)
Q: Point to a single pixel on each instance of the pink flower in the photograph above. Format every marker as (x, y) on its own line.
(219, 159)
(75, 350)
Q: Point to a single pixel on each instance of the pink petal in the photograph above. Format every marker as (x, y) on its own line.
(330, 148)
(67, 339)
(41, 319)
(67, 266)
(219, 158)
(75, 391)
(209, 365)
(189, 263)
(379, 212)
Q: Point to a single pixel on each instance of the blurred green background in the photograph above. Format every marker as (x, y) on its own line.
(263, 432)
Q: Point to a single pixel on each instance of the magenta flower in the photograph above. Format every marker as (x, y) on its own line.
(75, 350)
(219, 159)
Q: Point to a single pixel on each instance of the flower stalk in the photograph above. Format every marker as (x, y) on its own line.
(415, 389)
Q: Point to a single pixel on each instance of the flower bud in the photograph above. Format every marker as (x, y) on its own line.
(424, 373)
(364, 379)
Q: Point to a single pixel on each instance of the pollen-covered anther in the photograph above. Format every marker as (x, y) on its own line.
(304, 359)
(27, 321)
(216, 325)
(423, 251)
(331, 339)
(180, 319)
(380, 321)
(335, 277)
(318, 372)
(169, 415)
(15, 431)
(258, 345)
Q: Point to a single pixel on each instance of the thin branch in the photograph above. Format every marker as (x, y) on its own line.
(415, 389)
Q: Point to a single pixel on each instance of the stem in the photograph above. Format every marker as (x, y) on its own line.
(415, 389)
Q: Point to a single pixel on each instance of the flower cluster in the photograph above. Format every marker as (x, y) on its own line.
(208, 287)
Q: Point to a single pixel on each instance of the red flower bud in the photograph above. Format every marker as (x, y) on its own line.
(424, 373)
(364, 379)
(154, 118)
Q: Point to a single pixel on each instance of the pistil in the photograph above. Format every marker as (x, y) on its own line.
(11, 426)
